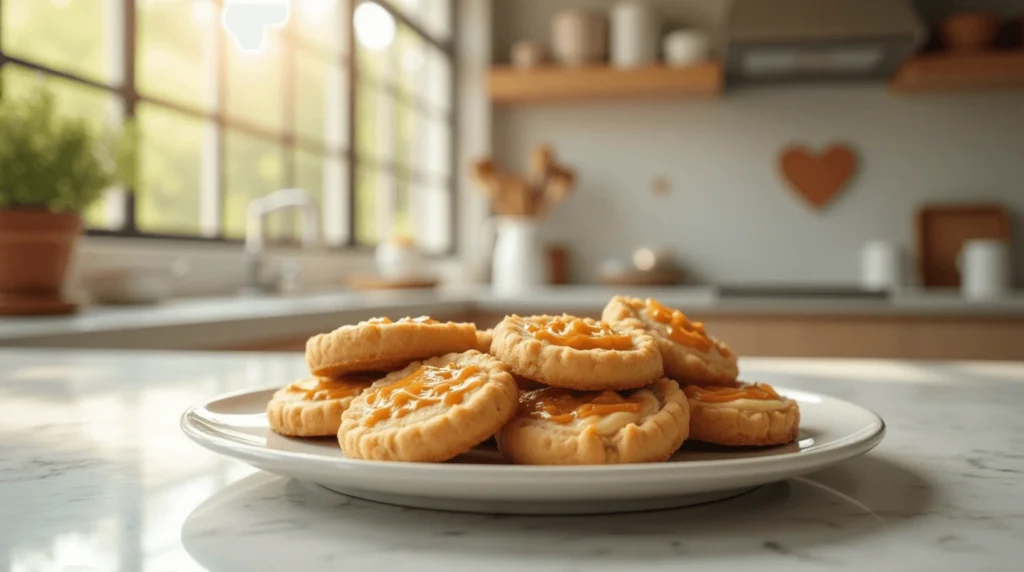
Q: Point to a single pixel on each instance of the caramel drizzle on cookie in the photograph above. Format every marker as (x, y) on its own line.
(425, 387)
(405, 320)
(564, 406)
(756, 391)
(680, 329)
(579, 334)
(321, 389)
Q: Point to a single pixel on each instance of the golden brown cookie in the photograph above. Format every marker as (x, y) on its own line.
(689, 354)
(576, 353)
(556, 426)
(313, 407)
(483, 340)
(744, 415)
(430, 411)
(381, 345)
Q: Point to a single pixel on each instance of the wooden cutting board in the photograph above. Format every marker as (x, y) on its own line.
(942, 231)
(381, 283)
(12, 304)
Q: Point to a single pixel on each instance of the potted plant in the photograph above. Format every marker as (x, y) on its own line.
(51, 168)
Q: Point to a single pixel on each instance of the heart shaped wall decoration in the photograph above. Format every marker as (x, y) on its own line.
(817, 178)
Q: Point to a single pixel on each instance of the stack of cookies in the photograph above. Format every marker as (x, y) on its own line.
(630, 388)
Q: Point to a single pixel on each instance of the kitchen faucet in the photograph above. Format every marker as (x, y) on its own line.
(255, 279)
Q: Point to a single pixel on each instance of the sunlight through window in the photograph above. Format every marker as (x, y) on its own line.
(375, 28)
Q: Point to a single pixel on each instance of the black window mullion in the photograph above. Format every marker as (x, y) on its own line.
(396, 111)
(397, 14)
(453, 125)
(353, 78)
(290, 62)
(128, 97)
(289, 56)
(220, 58)
(58, 73)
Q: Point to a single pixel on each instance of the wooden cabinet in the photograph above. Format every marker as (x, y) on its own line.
(844, 336)
(899, 337)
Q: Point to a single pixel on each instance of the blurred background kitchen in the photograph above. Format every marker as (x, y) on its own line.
(834, 179)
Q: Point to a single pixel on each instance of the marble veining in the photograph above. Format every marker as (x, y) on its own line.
(95, 475)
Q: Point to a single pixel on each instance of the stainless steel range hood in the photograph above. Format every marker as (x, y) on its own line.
(776, 40)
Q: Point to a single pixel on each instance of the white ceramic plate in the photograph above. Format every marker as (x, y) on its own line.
(831, 431)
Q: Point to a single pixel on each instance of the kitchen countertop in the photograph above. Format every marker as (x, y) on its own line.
(96, 475)
(219, 322)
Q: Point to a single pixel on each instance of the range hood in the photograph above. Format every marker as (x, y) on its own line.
(776, 40)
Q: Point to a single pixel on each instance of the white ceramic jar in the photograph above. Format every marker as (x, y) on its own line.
(634, 34)
(984, 269)
(881, 266)
(686, 47)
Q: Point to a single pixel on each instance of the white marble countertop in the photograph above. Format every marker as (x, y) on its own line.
(95, 475)
(222, 322)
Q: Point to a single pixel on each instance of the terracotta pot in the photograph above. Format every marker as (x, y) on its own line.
(35, 248)
(969, 31)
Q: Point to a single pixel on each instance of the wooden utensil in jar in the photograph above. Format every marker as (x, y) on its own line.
(512, 195)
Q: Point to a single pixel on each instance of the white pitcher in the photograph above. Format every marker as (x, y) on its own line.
(518, 264)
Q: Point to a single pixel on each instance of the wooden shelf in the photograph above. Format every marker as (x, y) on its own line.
(966, 72)
(513, 85)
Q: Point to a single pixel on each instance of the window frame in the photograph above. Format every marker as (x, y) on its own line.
(129, 97)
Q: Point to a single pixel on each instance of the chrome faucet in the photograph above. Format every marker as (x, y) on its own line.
(256, 280)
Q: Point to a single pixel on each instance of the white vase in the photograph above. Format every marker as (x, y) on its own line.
(518, 265)
(634, 34)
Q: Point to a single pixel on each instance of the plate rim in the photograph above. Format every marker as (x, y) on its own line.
(858, 442)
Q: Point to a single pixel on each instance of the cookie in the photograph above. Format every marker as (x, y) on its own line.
(382, 345)
(431, 410)
(556, 426)
(744, 415)
(689, 354)
(483, 340)
(576, 353)
(313, 407)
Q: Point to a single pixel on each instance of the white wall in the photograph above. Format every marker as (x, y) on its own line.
(729, 216)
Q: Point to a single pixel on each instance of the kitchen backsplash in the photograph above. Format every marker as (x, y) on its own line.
(728, 215)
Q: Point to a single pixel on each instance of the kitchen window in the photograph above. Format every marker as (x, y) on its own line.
(351, 100)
